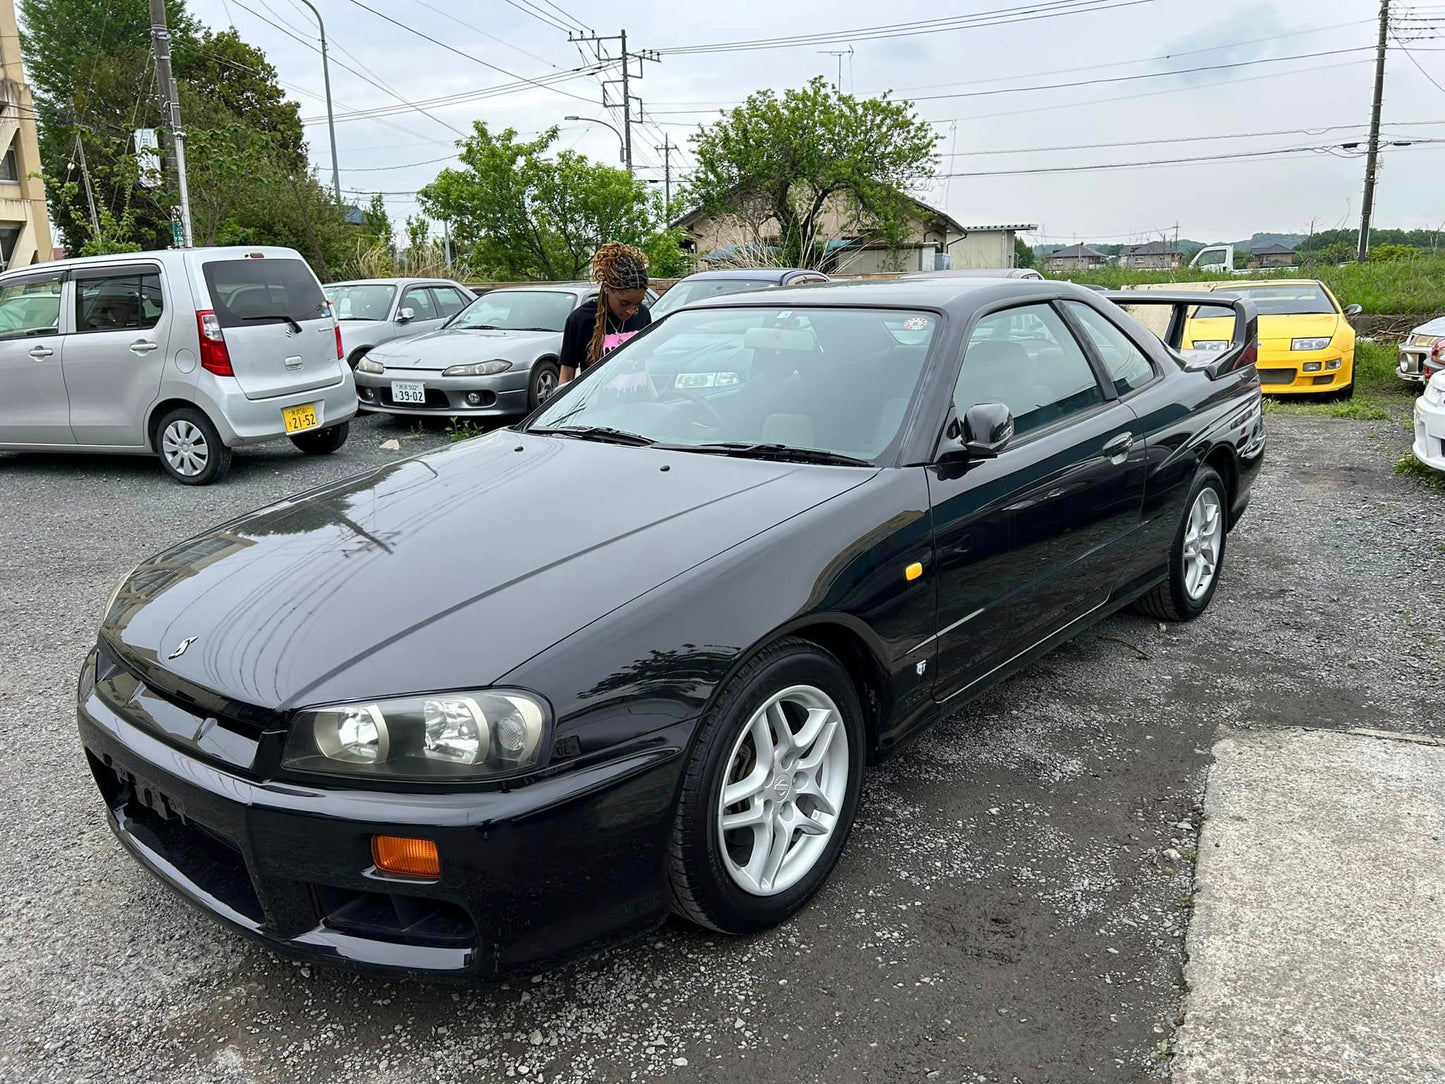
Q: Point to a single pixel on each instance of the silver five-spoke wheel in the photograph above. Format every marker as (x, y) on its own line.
(546, 385)
(786, 780)
(185, 448)
(1202, 536)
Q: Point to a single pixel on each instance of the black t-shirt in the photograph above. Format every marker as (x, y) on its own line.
(577, 331)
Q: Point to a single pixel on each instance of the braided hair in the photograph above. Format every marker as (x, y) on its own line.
(616, 267)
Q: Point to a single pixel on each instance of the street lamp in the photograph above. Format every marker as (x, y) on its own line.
(621, 143)
(330, 119)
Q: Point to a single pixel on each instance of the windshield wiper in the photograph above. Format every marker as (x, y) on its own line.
(278, 316)
(745, 450)
(603, 433)
(479, 327)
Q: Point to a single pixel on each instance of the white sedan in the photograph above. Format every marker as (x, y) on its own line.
(1422, 353)
(1430, 423)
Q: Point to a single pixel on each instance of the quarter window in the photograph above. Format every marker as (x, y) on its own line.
(1026, 359)
(129, 302)
(1128, 367)
(30, 307)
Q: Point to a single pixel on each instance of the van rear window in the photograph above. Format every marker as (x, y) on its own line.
(255, 291)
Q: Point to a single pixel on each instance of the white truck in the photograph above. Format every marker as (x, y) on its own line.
(1221, 258)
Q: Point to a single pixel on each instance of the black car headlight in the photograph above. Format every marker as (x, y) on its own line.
(437, 736)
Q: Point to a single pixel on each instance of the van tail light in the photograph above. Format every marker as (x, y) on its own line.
(340, 351)
(214, 356)
(1437, 352)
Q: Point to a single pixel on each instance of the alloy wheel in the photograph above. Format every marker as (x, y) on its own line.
(786, 780)
(546, 385)
(185, 448)
(1202, 538)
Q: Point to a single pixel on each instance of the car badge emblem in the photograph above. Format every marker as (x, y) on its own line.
(781, 788)
(181, 647)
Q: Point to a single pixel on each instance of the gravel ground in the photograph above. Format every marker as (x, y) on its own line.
(1010, 907)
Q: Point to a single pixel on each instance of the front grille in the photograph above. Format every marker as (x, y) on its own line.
(389, 916)
(1276, 376)
(435, 400)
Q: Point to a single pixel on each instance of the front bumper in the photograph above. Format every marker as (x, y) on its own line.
(503, 394)
(1411, 364)
(1303, 372)
(529, 876)
(1429, 446)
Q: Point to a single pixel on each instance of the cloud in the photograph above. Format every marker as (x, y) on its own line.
(1230, 40)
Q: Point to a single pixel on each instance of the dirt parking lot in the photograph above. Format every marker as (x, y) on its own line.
(1010, 907)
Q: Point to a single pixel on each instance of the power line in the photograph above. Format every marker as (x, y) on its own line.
(1234, 156)
(578, 23)
(345, 67)
(1041, 9)
(1417, 64)
(485, 33)
(465, 55)
(1113, 78)
(459, 98)
(1172, 139)
(541, 16)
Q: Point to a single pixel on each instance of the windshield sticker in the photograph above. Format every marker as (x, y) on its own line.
(917, 323)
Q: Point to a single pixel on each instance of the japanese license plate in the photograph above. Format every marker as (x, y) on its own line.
(299, 418)
(408, 391)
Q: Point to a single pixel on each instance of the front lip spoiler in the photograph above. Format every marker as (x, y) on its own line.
(317, 944)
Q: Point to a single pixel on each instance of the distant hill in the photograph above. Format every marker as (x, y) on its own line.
(1263, 240)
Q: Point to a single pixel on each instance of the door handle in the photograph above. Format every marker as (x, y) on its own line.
(40, 353)
(1117, 449)
(143, 346)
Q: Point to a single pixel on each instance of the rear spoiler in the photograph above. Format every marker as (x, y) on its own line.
(1243, 349)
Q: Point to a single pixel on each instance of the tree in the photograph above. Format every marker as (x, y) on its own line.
(1393, 253)
(90, 64)
(522, 215)
(1023, 253)
(788, 163)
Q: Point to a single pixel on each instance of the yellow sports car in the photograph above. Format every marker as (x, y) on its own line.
(1306, 344)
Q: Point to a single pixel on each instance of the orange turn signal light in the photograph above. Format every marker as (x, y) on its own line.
(409, 857)
(913, 571)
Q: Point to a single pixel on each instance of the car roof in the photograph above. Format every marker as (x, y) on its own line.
(766, 274)
(567, 287)
(950, 294)
(390, 282)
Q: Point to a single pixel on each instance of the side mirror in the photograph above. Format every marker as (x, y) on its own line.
(987, 429)
(984, 432)
(1354, 310)
(405, 314)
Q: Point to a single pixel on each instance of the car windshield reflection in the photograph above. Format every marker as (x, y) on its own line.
(757, 381)
(516, 310)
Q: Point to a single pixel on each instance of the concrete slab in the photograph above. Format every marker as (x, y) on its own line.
(1317, 946)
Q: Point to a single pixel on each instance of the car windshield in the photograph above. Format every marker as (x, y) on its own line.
(689, 290)
(361, 300)
(518, 310)
(757, 380)
(1287, 299)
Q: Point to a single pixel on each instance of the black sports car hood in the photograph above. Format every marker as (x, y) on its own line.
(444, 571)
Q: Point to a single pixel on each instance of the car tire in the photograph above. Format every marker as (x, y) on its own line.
(1182, 596)
(815, 779)
(323, 441)
(543, 384)
(1347, 392)
(189, 447)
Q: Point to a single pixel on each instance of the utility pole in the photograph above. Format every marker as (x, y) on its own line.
(171, 111)
(596, 40)
(330, 119)
(667, 178)
(1367, 209)
(85, 177)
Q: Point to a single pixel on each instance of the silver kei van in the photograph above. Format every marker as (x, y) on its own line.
(185, 353)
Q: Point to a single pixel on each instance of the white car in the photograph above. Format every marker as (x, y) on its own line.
(373, 311)
(1430, 423)
(1423, 352)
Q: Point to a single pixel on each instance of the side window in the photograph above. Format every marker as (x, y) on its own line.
(126, 302)
(418, 299)
(1127, 365)
(30, 307)
(1026, 359)
(449, 300)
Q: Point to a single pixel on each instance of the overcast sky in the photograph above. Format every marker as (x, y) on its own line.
(1291, 101)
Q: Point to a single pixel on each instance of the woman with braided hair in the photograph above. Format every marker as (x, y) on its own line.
(617, 314)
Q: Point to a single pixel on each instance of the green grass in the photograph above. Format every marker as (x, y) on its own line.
(1411, 467)
(461, 429)
(1407, 286)
(1379, 393)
